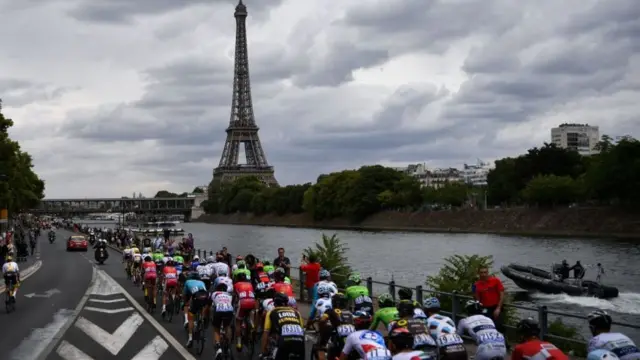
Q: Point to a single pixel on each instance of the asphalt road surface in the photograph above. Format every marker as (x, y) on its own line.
(115, 270)
(68, 308)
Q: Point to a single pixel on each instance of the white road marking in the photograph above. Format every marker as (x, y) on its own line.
(108, 311)
(107, 301)
(70, 352)
(153, 350)
(105, 285)
(112, 342)
(31, 347)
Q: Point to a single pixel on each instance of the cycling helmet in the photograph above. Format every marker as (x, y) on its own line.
(259, 266)
(267, 263)
(241, 276)
(339, 301)
(323, 290)
(239, 258)
(599, 320)
(355, 278)
(211, 260)
(405, 308)
(602, 354)
(194, 276)
(223, 271)
(280, 299)
(270, 293)
(431, 303)
(148, 258)
(9, 258)
(473, 307)
(405, 294)
(385, 300)
(279, 274)
(361, 319)
(324, 274)
(241, 264)
(166, 253)
(528, 327)
(195, 258)
(400, 337)
(169, 262)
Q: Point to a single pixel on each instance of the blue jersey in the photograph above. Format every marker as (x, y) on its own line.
(178, 268)
(193, 286)
(194, 265)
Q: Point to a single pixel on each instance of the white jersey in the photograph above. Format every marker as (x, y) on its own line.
(145, 254)
(364, 342)
(491, 343)
(220, 267)
(137, 258)
(10, 268)
(412, 355)
(204, 272)
(322, 305)
(127, 252)
(224, 280)
(439, 325)
(332, 286)
(267, 305)
(617, 343)
(222, 302)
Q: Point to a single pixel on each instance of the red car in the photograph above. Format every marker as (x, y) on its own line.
(77, 242)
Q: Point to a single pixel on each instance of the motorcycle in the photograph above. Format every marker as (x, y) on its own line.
(92, 239)
(101, 255)
(52, 238)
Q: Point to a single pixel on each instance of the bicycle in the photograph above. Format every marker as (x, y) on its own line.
(249, 335)
(10, 300)
(168, 315)
(149, 299)
(198, 333)
(225, 344)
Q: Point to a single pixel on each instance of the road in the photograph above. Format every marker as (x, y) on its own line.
(69, 308)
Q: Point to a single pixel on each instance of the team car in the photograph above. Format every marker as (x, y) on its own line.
(77, 243)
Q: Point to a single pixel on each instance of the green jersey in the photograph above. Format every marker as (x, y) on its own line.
(287, 280)
(158, 256)
(354, 292)
(240, 271)
(178, 259)
(269, 268)
(384, 315)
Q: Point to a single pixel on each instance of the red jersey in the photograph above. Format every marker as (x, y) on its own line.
(149, 266)
(488, 292)
(263, 277)
(170, 272)
(284, 288)
(537, 349)
(244, 290)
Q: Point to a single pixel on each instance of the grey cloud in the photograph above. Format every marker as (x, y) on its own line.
(124, 11)
(21, 92)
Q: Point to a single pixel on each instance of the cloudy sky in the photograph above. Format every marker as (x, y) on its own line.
(116, 96)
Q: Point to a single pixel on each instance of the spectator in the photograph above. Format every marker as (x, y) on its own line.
(489, 291)
(283, 262)
(227, 257)
(311, 267)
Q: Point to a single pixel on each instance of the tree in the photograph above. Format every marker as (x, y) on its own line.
(331, 255)
(165, 194)
(550, 190)
(197, 190)
(20, 186)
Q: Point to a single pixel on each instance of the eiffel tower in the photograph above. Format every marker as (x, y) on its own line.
(242, 125)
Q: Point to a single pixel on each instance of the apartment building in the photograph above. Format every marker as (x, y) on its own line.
(579, 137)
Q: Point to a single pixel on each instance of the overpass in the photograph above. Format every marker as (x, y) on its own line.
(188, 206)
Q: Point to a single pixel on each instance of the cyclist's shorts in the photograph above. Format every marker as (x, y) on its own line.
(290, 350)
(170, 283)
(10, 278)
(198, 301)
(455, 352)
(207, 283)
(244, 307)
(150, 278)
(222, 319)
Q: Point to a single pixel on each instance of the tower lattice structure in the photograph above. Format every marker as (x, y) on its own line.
(242, 125)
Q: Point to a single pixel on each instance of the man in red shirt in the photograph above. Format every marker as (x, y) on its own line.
(311, 268)
(489, 291)
(532, 347)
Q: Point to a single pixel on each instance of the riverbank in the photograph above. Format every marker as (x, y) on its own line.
(576, 222)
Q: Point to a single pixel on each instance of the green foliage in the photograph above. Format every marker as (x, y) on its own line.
(550, 190)
(169, 194)
(558, 328)
(20, 186)
(452, 194)
(331, 255)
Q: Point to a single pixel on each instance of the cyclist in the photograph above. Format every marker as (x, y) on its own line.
(222, 305)
(242, 268)
(406, 295)
(601, 354)
(150, 276)
(339, 321)
(358, 295)
(178, 263)
(443, 330)
(205, 272)
(246, 303)
(279, 276)
(127, 255)
(219, 266)
(322, 304)
(170, 283)
(386, 313)
(531, 346)
(196, 299)
(195, 262)
(324, 279)
(268, 268)
(603, 338)
(137, 261)
(158, 258)
(401, 345)
(11, 275)
(235, 266)
(491, 343)
(421, 337)
(223, 278)
(287, 324)
(366, 343)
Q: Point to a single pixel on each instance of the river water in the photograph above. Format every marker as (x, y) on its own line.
(410, 257)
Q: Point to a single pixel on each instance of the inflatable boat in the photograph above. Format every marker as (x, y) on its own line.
(530, 278)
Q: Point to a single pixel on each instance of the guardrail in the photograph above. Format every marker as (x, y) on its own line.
(541, 313)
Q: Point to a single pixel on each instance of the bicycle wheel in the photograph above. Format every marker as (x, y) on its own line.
(170, 304)
(200, 337)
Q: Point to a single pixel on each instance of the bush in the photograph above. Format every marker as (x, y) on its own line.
(330, 254)
(558, 328)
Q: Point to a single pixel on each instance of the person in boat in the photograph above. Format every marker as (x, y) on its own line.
(578, 270)
(563, 270)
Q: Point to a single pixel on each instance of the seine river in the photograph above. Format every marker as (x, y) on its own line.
(410, 257)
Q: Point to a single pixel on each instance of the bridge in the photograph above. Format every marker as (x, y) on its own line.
(188, 206)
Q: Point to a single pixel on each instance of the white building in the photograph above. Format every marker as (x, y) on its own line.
(579, 137)
(432, 177)
(476, 175)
